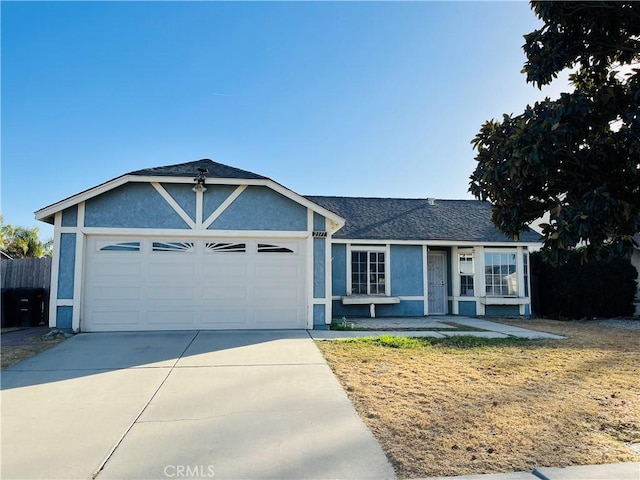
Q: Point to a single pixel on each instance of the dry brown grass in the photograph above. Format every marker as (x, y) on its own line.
(10, 355)
(450, 411)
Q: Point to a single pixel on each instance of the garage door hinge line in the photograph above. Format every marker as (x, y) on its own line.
(142, 410)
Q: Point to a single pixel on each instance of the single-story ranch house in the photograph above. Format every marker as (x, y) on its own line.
(202, 245)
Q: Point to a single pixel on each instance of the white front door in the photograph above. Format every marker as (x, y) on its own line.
(134, 283)
(437, 284)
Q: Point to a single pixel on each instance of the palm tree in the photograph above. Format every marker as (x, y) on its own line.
(21, 242)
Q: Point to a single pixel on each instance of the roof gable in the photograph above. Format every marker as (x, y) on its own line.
(214, 170)
(185, 173)
(416, 219)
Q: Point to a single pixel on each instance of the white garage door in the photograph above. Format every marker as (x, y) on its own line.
(183, 284)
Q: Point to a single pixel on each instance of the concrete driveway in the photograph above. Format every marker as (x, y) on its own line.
(224, 405)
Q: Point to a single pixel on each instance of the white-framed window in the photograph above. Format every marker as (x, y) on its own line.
(176, 247)
(368, 272)
(500, 274)
(270, 248)
(108, 246)
(465, 264)
(227, 247)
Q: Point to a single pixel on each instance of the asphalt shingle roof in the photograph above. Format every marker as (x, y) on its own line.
(415, 219)
(215, 170)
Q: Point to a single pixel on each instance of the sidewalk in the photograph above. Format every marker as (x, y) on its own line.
(409, 327)
(615, 471)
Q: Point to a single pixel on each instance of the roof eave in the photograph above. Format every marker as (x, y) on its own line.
(441, 242)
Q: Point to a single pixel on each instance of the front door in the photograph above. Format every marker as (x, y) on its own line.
(437, 283)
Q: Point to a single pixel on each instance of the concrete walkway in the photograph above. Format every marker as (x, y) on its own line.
(227, 405)
(402, 327)
(614, 471)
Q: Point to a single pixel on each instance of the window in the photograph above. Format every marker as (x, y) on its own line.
(119, 247)
(500, 274)
(217, 247)
(183, 247)
(466, 274)
(368, 273)
(268, 248)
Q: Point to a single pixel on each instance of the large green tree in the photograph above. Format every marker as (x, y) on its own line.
(576, 158)
(21, 242)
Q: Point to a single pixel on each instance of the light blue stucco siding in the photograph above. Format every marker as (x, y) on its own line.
(319, 290)
(184, 196)
(133, 205)
(467, 307)
(502, 311)
(319, 316)
(339, 310)
(213, 197)
(406, 270)
(319, 223)
(527, 309)
(260, 208)
(64, 317)
(67, 265)
(406, 308)
(339, 269)
(70, 216)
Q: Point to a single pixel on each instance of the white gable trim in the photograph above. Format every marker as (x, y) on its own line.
(170, 200)
(47, 213)
(223, 206)
(185, 233)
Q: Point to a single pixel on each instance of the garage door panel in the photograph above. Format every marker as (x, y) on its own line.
(193, 288)
(114, 317)
(227, 270)
(109, 293)
(273, 318)
(173, 269)
(170, 293)
(176, 317)
(224, 293)
(222, 318)
(119, 269)
(277, 271)
(287, 295)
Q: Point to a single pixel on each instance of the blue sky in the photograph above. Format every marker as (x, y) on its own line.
(332, 98)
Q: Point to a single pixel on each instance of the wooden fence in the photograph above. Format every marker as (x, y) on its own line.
(26, 272)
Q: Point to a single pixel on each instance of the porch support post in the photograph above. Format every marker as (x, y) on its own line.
(478, 279)
(455, 281)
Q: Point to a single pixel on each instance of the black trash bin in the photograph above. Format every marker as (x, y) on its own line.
(7, 306)
(29, 305)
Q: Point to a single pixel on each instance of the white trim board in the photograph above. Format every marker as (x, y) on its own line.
(434, 243)
(223, 206)
(45, 214)
(173, 204)
(148, 232)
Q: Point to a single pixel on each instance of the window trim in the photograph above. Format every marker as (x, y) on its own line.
(386, 249)
(467, 254)
(509, 251)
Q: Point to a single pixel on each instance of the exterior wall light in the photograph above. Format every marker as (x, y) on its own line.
(200, 179)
